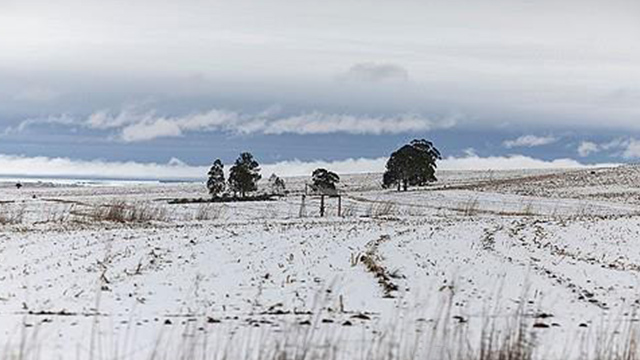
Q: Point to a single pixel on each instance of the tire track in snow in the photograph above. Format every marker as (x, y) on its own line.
(377, 263)
(371, 259)
(513, 233)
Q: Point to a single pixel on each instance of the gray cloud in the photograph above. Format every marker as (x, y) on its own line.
(36, 94)
(514, 62)
(376, 72)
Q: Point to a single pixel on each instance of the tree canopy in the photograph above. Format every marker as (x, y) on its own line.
(324, 180)
(216, 184)
(413, 164)
(244, 174)
(276, 185)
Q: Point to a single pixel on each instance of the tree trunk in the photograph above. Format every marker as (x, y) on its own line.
(405, 185)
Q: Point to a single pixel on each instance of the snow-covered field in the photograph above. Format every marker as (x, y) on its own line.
(433, 271)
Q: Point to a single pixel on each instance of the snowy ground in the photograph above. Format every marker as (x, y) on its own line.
(475, 247)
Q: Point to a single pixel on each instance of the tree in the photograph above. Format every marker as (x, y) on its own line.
(216, 183)
(276, 185)
(413, 164)
(324, 180)
(244, 174)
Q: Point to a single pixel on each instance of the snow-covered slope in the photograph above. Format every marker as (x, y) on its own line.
(465, 252)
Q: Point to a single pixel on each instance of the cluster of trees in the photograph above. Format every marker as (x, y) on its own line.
(243, 178)
(413, 164)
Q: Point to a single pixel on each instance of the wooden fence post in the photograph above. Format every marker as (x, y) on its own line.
(303, 207)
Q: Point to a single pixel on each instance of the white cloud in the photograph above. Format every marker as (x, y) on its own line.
(150, 127)
(511, 162)
(151, 130)
(530, 141)
(103, 119)
(587, 148)
(632, 149)
(45, 166)
(176, 169)
(319, 123)
(348, 166)
(470, 152)
(615, 144)
(136, 125)
(627, 148)
(65, 120)
(469, 162)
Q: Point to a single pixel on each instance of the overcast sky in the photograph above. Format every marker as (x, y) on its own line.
(149, 81)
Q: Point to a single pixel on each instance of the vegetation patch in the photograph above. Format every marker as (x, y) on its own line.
(371, 260)
(123, 212)
(223, 199)
(11, 215)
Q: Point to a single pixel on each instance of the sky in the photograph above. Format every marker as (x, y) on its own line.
(162, 88)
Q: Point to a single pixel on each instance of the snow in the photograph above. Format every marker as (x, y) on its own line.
(472, 246)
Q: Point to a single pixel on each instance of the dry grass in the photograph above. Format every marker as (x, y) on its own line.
(348, 210)
(208, 212)
(527, 209)
(515, 341)
(381, 209)
(59, 215)
(11, 215)
(122, 212)
(448, 337)
(470, 208)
